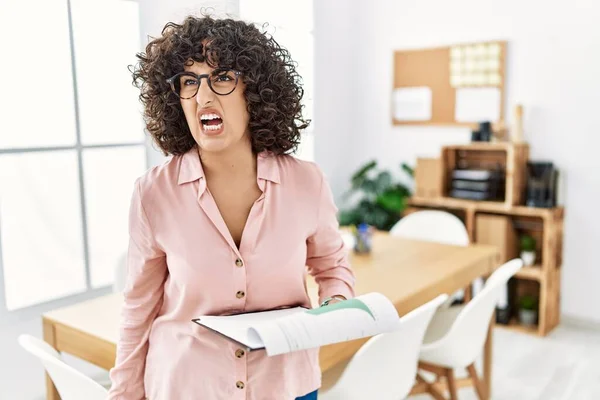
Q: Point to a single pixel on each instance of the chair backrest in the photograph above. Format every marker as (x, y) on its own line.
(70, 383)
(465, 339)
(432, 226)
(386, 365)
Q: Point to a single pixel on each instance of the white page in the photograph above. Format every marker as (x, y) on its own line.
(306, 330)
(477, 104)
(412, 104)
(237, 326)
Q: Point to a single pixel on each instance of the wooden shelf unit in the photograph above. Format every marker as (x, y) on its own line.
(545, 224)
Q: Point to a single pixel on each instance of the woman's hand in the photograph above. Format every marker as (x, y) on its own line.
(336, 298)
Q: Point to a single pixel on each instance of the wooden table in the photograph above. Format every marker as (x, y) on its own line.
(408, 272)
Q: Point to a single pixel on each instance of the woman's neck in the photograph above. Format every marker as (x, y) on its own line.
(236, 162)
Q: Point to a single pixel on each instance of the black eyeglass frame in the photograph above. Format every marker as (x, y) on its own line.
(171, 81)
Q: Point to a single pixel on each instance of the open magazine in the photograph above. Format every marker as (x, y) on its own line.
(292, 329)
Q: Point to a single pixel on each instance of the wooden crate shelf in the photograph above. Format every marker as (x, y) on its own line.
(485, 206)
(533, 273)
(514, 325)
(508, 158)
(506, 221)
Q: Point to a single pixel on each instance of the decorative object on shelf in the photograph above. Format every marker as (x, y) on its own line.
(527, 245)
(516, 134)
(378, 199)
(483, 134)
(528, 310)
(478, 184)
(542, 180)
(428, 178)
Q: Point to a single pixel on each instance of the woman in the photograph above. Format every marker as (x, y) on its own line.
(227, 224)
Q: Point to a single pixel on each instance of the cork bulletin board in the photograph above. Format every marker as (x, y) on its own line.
(458, 85)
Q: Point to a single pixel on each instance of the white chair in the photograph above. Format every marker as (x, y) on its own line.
(386, 365)
(70, 383)
(432, 226)
(435, 226)
(456, 335)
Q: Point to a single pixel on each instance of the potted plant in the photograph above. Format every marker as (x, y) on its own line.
(378, 200)
(527, 246)
(528, 310)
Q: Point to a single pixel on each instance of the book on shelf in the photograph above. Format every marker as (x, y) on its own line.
(297, 328)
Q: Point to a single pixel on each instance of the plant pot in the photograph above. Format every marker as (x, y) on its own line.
(528, 317)
(528, 257)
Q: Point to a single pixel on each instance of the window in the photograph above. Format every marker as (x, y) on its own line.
(71, 145)
(291, 24)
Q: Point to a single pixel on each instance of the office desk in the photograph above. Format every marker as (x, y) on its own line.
(408, 272)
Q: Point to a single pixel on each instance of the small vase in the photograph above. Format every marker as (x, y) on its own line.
(528, 257)
(528, 317)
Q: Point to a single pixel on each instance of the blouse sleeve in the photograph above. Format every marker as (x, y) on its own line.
(327, 257)
(143, 294)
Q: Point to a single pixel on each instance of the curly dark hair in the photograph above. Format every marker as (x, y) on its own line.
(273, 87)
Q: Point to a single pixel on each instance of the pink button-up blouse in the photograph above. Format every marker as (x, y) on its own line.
(183, 263)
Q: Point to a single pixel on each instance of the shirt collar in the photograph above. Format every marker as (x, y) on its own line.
(190, 169)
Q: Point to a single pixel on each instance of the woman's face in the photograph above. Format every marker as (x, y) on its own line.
(229, 128)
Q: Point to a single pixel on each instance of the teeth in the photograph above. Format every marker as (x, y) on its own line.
(207, 117)
(213, 127)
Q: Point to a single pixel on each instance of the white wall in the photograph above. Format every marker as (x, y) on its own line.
(553, 69)
(336, 100)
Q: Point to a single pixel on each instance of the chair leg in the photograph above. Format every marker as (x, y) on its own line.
(478, 384)
(430, 388)
(451, 384)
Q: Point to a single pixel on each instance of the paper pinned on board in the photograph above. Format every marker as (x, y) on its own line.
(477, 104)
(412, 104)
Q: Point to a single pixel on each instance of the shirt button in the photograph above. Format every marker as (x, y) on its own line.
(239, 353)
(239, 262)
(239, 384)
(240, 294)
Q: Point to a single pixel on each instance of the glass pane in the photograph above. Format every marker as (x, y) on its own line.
(37, 82)
(40, 227)
(109, 175)
(108, 102)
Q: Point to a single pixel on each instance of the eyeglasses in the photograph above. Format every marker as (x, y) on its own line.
(220, 81)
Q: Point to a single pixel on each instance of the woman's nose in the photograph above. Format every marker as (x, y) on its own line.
(205, 94)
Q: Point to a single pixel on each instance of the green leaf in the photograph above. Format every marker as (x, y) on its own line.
(379, 218)
(408, 169)
(360, 175)
(527, 243)
(383, 181)
(369, 186)
(391, 201)
(402, 190)
(528, 302)
(350, 217)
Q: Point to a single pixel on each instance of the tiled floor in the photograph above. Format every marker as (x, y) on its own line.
(563, 366)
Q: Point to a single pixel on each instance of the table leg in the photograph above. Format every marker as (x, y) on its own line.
(49, 337)
(487, 359)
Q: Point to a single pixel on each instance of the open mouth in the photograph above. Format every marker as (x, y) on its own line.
(211, 122)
